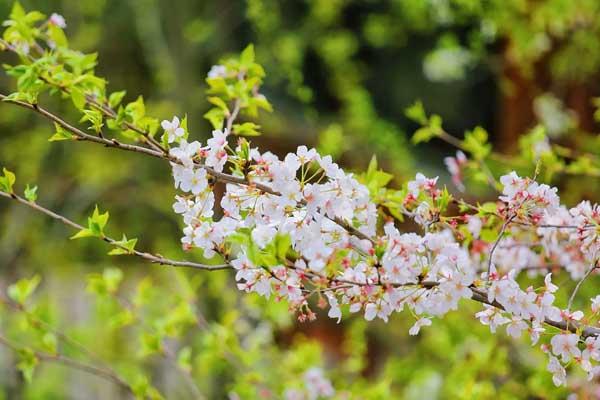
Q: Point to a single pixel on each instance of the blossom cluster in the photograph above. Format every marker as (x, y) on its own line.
(316, 386)
(300, 226)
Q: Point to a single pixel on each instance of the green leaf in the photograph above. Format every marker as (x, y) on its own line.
(129, 245)
(151, 344)
(78, 98)
(475, 142)
(31, 193)
(219, 102)
(422, 135)
(7, 181)
(27, 363)
(82, 234)
(374, 178)
(444, 199)
(261, 101)
(216, 117)
(57, 35)
(17, 12)
(123, 318)
(184, 359)
(96, 224)
(112, 277)
(115, 98)
(106, 283)
(50, 342)
(22, 289)
(94, 117)
(61, 134)
(98, 219)
(416, 112)
(247, 56)
(488, 208)
(246, 129)
(282, 244)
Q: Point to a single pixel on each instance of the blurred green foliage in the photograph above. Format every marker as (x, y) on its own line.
(339, 73)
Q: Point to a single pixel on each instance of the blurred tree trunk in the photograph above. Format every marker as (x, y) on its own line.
(519, 90)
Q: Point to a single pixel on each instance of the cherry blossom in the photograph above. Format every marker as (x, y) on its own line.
(414, 330)
(455, 166)
(299, 226)
(565, 346)
(58, 20)
(173, 130)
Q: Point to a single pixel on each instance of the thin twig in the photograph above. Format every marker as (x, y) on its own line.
(572, 297)
(233, 115)
(104, 373)
(219, 176)
(498, 239)
(478, 295)
(147, 256)
(62, 336)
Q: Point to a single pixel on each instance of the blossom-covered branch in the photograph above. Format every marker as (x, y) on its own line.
(299, 227)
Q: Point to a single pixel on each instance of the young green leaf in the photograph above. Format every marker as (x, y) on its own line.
(126, 246)
(247, 56)
(7, 181)
(61, 134)
(96, 224)
(115, 98)
(23, 289)
(31, 193)
(27, 363)
(246, 129)
(416, 112)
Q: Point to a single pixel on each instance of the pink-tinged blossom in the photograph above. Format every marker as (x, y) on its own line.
(592, 349)
(421, 183)
(565, 346)
(527, 198)
(587, 219)
(317, 385)
(334, 308)
(516, 327)
(455, 166)
(474, 225)
(217, 71)
(492, 317)
(194, 180)
(596, 304)
(58, 20)
(559, 374)
(414, 330)
(427, 273)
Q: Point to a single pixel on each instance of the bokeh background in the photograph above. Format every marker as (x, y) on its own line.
(340, 74)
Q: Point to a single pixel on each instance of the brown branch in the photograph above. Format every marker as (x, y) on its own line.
(219, 176)
(586, 331)
(35, 320)
(497, 242)
(478, 294)
(588, 273)
(156, 259)
(105, 109)
(104, 373)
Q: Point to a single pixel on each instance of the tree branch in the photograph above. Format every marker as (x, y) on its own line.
(478, 295)
(147, 256)
(107, 374)
(572, 297)
(219, 176)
